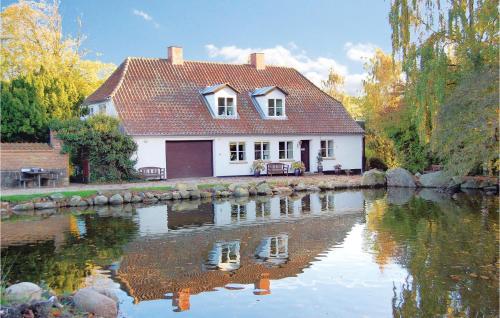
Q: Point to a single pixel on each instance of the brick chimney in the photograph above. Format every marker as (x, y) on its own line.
(257, 61)
(55, 142)
(175, 55)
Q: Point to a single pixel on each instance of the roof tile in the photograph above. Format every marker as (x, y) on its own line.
(154, 97)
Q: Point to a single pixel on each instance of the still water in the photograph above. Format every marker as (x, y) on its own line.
(363, 253)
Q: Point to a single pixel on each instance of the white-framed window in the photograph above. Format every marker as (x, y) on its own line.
(286, 149)
(327, 148)
(225, 106)
(102, 108)
(91, 110)
(237, 151)
(262, 150)
(275, 107)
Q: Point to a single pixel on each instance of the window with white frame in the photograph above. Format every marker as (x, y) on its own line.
(262, 150)
(327, 148)
(275, 107)
(286, 149)
(237, 151)
(225, 106)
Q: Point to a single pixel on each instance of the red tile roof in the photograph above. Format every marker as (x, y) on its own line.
(154, 97)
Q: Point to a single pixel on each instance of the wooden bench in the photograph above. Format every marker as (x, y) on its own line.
(152, 173)
(277, 168)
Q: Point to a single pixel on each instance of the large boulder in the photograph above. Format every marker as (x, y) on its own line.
(205, 194)
(56, 197)
(234, 186)
(470, 184)
(195, 194)
(45, 205)
(24, 206)
(240, 192)
(127, 197)
(373, 178)
(435, 180)
(300, 187)
(92, 301)
(263, 188)
(399, 177)
(135, 199)
(23, 292)
(116, 199)
(165, 196)
(185, 194)
(100, 200)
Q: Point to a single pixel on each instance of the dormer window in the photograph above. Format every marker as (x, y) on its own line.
(270, 102)
(221, 101)
(275, 107)
(225, 106)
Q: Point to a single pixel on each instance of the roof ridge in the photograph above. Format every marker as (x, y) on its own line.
(205, 62)
(122, 77)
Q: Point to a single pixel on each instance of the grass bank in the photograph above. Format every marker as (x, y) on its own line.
(26, 197)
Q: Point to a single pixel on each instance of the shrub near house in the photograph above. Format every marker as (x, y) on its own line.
(99, 140)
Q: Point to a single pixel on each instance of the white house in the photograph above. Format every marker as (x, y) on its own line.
(213, 119)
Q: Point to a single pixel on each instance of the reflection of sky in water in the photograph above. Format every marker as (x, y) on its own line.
(343, 282)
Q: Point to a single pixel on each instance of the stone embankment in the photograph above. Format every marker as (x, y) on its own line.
(399, 177)
(182, 191)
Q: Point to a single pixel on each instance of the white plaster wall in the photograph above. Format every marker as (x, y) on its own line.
(347, 151)
(262, 101)
(110, 108)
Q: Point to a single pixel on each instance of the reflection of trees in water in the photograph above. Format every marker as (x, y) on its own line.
(449, 249)
(65, 269)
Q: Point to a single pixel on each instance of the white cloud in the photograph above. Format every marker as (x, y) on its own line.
(360, 52)
(315, 69)
(146, 17)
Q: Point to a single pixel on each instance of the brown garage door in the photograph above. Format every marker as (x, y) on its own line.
(189, 159)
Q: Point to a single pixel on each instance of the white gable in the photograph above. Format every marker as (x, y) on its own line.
(212, 100)
(262, 103)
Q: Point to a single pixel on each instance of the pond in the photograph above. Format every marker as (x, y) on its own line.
(366, 253)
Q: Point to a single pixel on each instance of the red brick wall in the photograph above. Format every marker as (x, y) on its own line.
(17, 159)
(12, 159)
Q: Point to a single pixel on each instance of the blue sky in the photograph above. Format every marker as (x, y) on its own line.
(312, 36)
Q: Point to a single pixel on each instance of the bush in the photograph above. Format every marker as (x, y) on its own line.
(99, 140)
(375, 163)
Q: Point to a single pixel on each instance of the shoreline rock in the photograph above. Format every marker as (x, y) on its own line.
(374, 178)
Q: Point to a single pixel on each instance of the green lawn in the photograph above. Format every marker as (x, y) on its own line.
(159, 188)
(27, 197)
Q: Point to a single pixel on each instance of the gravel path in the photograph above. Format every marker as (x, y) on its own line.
(340, 180)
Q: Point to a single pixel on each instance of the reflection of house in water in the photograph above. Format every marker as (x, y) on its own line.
(54, 228)
(274, 249)
(225, 256)
(255, 249)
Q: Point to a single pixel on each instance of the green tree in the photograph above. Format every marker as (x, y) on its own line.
(99, 140)
(23, 114)
(440, 43)
(466, 133)
(34, 50)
